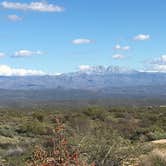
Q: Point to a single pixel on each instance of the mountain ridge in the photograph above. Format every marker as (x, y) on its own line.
(95, 78)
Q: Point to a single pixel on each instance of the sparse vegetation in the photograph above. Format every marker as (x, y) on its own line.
(104, 136)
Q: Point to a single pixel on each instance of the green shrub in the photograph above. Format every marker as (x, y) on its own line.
(80, 123)
(33, 127)
(6, 131)
(95, 113)
(39, 116)
(158, 134)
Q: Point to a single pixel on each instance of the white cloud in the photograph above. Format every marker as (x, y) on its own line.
(26, 53)
(159, 68)
(14, 17)
(82, 41)
(32, 6)
(8, 71)
(118, 56)
(142, 37)
(123, 48)
(84, 67)
(2, 54)
(157, 64)
(159, 61)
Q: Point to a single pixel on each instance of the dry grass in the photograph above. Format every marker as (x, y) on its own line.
(155, 158)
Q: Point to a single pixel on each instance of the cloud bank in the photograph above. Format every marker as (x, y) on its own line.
(158, 64)
(26, 53)
(159, 61)
(32, 6)
(8, 71)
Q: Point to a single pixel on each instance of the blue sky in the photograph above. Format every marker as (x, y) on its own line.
(57, 36)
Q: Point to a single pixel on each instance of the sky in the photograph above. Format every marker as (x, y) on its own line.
(57, 36)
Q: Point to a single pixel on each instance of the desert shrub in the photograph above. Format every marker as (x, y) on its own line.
(6, 142)
(80, 123)
(127, 126)
(105, 147)
(141, 135)
(6, 131)
(32, 127)
(158, 133)
(60, 154)
(39, 116)
(95, 113)
(103, 152)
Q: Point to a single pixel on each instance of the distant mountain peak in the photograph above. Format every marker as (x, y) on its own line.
(104, 70)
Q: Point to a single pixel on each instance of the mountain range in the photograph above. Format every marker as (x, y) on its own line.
(94, 78)
(92, 83)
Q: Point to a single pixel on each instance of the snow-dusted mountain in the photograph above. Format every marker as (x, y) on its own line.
(105, 70)
(113, 84)
(88, 78)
